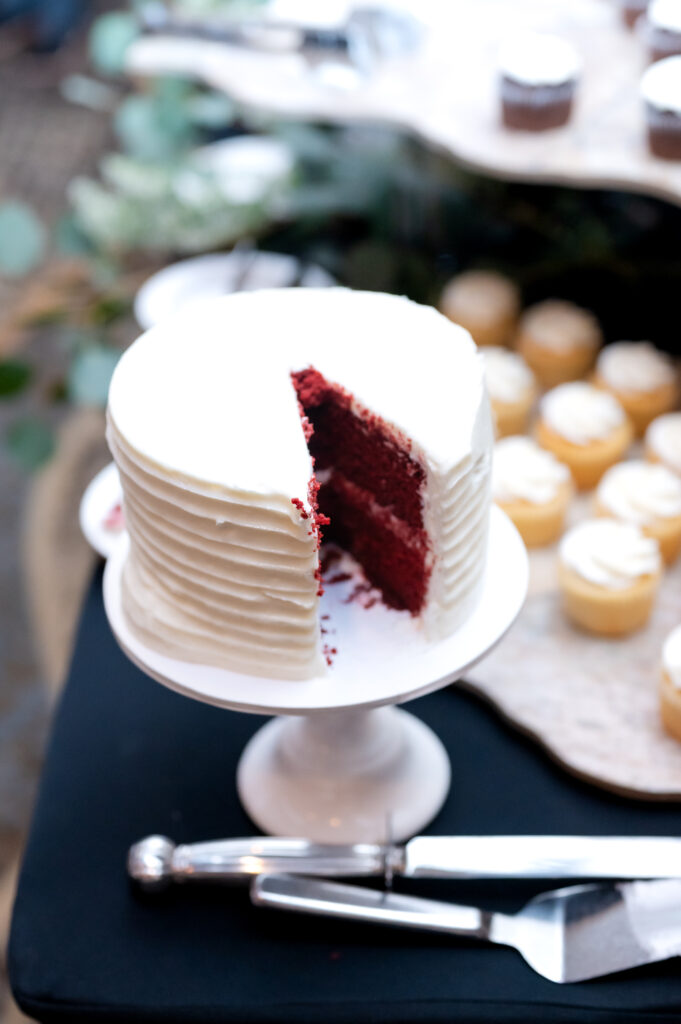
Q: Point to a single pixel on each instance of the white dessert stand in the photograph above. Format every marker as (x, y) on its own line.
(344, 766)
(100, 497)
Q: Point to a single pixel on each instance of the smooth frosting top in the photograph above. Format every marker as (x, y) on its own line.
(671, 656)
(640, 492)
(663, 437)
(661, 84)
(581, 413)
(480, 296)
(522, 471)
(665, 14)
(610, 553)
(538, 59)
(207, 396)
(561, 326)
(509, 378)
(634, 366)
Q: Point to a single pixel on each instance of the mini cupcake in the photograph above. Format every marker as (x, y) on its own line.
(641, 378)
(663, 441)
(608, 573)
(532, 487)
(648, 495)
(559, 341)
(585, 428)
(670, 684)
(511, 387)
(663, 29)
(661, 93)
(632, 10)
(485, 303)
(538, 77)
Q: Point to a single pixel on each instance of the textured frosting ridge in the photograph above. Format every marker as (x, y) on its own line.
(581, 412)
(664, 439)
(522, 471)
(671, 656)
(538, 59)
(610, 553)
(635, 366)
(204, 424)
(640, 492)
(509, 378)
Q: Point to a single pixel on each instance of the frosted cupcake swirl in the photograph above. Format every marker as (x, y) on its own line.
(634, 366)
(663, 437)
(537, 58)
(561, 326)
(671, 656)
(640, 492)
(522, 471)
(610, 553)
(581, 413)
(508, 377)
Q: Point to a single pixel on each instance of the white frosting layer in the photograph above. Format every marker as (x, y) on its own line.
(205, 427)
(610, 553)
(538, 59)
(671, 656)
(522, 471)
(661, 84)
(561, 326)
(665, 14)
(640, 492)
(581, 413)
(635, 366)
(509, 378)
(663, 437)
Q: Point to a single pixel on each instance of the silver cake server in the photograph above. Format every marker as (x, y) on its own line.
(156, 861)
(568, 935)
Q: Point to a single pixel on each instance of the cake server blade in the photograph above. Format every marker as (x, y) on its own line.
(567, 935)
(156, 861)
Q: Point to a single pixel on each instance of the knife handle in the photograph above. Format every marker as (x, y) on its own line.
(329, 899)
(156, 861)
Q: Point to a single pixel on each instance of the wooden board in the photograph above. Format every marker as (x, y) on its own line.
(446, 91)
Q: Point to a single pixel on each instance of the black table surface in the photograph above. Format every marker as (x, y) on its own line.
(128, 757)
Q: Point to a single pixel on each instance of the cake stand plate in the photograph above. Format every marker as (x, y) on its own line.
(346, 767)
(100, 521)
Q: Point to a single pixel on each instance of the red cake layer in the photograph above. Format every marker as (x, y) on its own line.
(372, 494)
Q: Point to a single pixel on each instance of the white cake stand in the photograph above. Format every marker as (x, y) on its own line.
(344, 766)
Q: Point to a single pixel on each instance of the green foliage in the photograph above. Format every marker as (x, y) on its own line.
(90, 373)
(110, 38)
(14, 377)
(22, 239)
(30, 442)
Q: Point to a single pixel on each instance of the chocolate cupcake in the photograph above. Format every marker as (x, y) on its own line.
(538, 77)
(661, 92)
(663, 29)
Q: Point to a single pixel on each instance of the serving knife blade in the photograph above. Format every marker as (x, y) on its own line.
(156, 861)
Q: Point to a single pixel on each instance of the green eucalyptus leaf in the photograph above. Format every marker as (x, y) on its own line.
(69, 237)
(110, 38)
(22, 239)
(14, 376)
(152, 127)
(90, 374)
(30, 442)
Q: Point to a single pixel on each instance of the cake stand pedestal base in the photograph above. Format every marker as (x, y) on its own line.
(343, 777)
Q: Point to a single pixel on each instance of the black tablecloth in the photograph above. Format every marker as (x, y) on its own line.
(128, 757)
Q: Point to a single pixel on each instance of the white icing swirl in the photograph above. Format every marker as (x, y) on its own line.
(640, 492)
(663, 437)
(522, 471)
(509, 378)
(671, 656)
(634, 366)
(561, 326)
(480, 297)
(610, 553)
(538, 59)
(581, 413)
(661, 84)
(665, 14)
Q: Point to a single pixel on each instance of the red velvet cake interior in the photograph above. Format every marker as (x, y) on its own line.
(371, 490)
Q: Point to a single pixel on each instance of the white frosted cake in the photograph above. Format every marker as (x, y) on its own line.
(248, 427)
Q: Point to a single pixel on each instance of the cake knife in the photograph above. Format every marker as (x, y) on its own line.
(156, 861)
